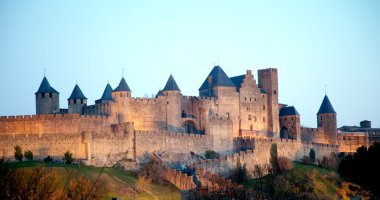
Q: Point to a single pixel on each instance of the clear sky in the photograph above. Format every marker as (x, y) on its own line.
(312, 43)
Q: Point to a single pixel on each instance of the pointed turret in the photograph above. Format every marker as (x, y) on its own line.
(47, 98)
(107, 94)
(122, 90)
(77, 101)
(326, 107)
(327, 121)
(216, 79)
(171, 85)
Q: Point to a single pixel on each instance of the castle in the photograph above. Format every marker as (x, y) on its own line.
(230, 115)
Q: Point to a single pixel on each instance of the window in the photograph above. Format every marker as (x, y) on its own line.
(274, 92)
(255, 99)
(249, 117)
(263, 107)
(81, 101)
(321, 117)
(228, 115)
(50, 95)
(245, 98)
(75, 101)
(264, 119)
(120, 95)
(250, 99)
(43, 95)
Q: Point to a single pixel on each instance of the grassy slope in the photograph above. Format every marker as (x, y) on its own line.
(325, 180)
(114, 188)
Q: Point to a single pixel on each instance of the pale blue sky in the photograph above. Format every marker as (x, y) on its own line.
(312, 43)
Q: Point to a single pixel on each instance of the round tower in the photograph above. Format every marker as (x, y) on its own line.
(77, 101)
(327, 121)
(47, 98)
(290, 127)
(122, 91)
(172, 93)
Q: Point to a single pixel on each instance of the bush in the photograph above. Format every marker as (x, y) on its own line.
(68, 158)
(28, 155)
(18, 153)
(48, 159)
(239, 173)
(362, 168)
(329, 162)
(273, 157)
(285, 164)
(210, 154)
(312, 155)
(152, 171)
(306, 160)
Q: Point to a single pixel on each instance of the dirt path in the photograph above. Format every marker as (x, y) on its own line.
(145, 190)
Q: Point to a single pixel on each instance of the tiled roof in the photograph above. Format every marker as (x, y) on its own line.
(171, 84)
(218, 78)
(122, 87)
(77, 93)
(45, 87)
(326, 107)
(290, 110)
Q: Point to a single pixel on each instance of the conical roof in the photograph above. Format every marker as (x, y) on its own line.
(77, 93)
(123, 86)
(107, 94)
(45, 87)
(326, 107)
(219, 78)
(287, 111)
(171, 84)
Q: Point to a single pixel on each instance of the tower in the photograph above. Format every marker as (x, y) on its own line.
(217, 84)
(172, 93)
(290, 126)
(77, 101)
(327, 121)
(268, 80)
(122, 91)
(107, 95)
(47, 98)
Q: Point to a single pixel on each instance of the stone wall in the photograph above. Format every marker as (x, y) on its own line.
(258, 153)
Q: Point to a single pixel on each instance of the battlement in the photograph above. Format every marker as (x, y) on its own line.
(206, 98)
(169, 134)
(50, 117)
(267, 70)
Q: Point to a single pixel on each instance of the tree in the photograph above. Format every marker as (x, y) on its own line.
(312, 155)
(48, 159)
(239, 173)
(18, 153)
(68, 158)
(362, 168)
(28, 155)
(210, 154)
(273, 157)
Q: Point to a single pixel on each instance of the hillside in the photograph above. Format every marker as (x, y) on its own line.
(114, 182)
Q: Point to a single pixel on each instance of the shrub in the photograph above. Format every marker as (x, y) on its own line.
(68, 158)
(18, 153)
(210, 154)
(306, 160)
(329, 162)
(152, 172)
(48, 159)
(273, 156)
(239, 173)
(28, 155)
(312, 155)
(285, 164)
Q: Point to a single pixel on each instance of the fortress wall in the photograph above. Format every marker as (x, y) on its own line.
(312, 135)
(174, 143)
(51, 124)
(260, 155)
(52, 134)
(43, 145)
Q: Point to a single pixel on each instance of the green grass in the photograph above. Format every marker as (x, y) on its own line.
(113, 187)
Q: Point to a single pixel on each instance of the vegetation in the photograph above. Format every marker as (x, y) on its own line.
(362, 168)
(28, 155)
(18, 153)
(273, 157)
(239, 174)
(74, 181)
(210, 154)
(312, 155)
(285, 164)
(48, 159)
(68, 158)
